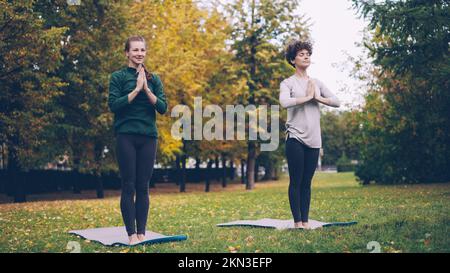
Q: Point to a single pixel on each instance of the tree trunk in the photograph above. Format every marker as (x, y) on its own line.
(198, 172)
(100, 192)
(2, 166)
(274, 173)
(76, 175)
(256, 170)
(208, 175)
(14, 175)
(152, 183)
(268, 172)
(197, 163)
(224, 172)
(242, 171)
(98, 156)
(232, 172)
(3, 154)
(183, 174)
(251, 158)
(217, 170)
(177, 170)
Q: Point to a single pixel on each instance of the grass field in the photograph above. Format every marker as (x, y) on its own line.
(401, 218)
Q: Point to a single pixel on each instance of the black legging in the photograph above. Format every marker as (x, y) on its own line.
(136, 156)
(302, 163)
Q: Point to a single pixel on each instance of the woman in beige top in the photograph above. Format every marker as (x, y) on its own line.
(301, 95)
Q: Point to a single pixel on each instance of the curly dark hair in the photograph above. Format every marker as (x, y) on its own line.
(294, 47)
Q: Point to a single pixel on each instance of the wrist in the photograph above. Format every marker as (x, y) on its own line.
(151, 96)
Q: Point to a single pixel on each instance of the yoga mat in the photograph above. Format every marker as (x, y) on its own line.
(282, 224)
(117, 236)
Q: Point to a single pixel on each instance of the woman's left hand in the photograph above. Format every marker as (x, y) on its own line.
(149, 92)
(317, 95)
(141, 70)
(146, 88)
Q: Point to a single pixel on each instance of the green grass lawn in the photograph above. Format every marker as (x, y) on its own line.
(401, 218)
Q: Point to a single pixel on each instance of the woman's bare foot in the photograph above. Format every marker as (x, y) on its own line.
(141, 237)
(306, 225)
(298, 225)
(133, 239)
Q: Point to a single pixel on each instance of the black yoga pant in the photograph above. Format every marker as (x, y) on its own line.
(302, 162)
(136, 156)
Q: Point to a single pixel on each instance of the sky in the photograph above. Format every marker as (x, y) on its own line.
(335, 29)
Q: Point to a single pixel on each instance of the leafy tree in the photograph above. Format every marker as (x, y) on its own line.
(189, 50)
(404, 125)
(338, 132)
(92, 49)
(260, 28)
(29, 56)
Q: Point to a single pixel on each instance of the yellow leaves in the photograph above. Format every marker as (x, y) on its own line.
(29, 227)
(85, 106)
(168, 145)
(391, 249)
(126, 250)
(183, 52)
(105, 119)
(233, 249)
(249, 240)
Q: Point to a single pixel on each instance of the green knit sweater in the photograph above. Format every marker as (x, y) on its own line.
(139, 116)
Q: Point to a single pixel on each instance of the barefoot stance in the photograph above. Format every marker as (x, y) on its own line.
(133, 239)
(141, 237)
(306, 225)
(298, 225)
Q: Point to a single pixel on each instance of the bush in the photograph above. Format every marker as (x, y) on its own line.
(404, 125)
(344, 164)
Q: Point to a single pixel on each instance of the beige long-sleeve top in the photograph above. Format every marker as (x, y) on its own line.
(303, 120)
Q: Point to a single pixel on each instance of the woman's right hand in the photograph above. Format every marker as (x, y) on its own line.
(140, 80)
(310, 89)
(139, 86)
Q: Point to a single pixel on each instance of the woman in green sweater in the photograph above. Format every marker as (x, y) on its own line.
(135, 95)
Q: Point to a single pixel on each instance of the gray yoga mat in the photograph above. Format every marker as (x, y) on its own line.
(117, 236)
(282, 224)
